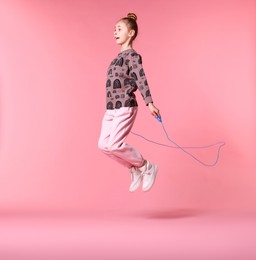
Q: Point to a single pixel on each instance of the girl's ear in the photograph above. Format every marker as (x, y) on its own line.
(131, 33)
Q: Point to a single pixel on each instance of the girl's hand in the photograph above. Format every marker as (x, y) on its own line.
(154, 110)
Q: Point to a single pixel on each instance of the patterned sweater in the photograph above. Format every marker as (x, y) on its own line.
(126, 75)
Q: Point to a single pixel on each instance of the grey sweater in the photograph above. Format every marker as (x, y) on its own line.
(126, 75)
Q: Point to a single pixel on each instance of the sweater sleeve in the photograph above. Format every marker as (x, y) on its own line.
(137, 73)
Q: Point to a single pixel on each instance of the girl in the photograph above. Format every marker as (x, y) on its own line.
(125, 75)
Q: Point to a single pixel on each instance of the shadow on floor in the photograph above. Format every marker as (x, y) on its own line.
(172, 213)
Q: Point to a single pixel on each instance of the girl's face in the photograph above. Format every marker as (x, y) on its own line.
(122, 34)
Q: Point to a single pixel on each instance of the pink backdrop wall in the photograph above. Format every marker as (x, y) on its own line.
(199, 57)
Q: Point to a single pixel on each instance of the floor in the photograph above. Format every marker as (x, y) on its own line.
(177, 234)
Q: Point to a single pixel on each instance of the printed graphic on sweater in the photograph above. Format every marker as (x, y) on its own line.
(125, 75)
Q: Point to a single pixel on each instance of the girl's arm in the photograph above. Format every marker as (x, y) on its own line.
(137, 72)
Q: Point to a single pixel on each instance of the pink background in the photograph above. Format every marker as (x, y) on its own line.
(199, 58)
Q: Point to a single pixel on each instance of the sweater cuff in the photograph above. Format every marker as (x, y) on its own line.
(148, 100)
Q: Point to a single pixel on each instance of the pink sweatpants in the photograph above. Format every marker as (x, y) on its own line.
(116, 125)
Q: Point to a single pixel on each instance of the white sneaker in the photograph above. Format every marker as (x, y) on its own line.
(149, 176)
(137, 177)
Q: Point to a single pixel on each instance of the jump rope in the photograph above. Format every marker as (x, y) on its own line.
(183, 148)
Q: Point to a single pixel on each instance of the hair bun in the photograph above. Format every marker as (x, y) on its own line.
(132, 16)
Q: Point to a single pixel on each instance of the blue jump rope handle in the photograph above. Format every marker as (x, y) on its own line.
(159, 119)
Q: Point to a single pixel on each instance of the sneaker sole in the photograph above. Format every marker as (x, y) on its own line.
(151, 185)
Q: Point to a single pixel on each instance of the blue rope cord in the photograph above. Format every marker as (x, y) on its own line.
(221, 144)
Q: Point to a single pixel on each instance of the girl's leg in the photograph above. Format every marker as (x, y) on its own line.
(103, 143)
(116, 126)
